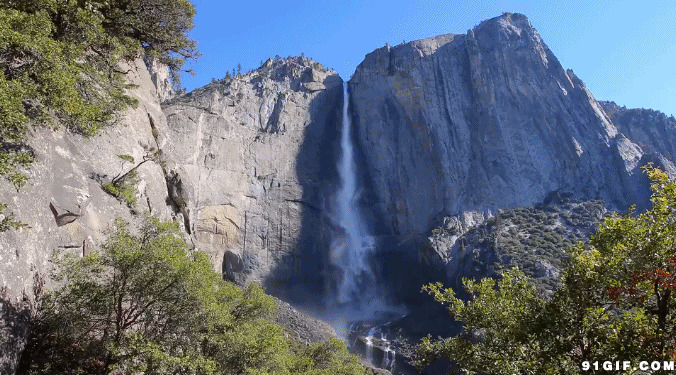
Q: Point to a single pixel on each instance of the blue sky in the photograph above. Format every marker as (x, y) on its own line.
(624, 50)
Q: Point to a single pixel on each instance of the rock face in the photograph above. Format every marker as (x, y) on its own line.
(159, 74)
(652, 130)
(480, 122)
(64, 204)
(252, 159)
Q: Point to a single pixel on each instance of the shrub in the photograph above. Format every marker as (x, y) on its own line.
(148, 304)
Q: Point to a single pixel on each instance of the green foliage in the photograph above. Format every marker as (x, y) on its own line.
(123, 189)
(127, 158)
(325, 358)
(615, 303)
(534, 239)
(123, 186)
(498, 327)
(148, 304)
(631, 264)
(60, 63)
(7, 220)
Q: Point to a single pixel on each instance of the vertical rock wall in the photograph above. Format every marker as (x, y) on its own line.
(66, 208)
(252, 159)
(484, 121)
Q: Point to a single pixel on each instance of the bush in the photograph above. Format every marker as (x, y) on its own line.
(148, 304)
(123, 189)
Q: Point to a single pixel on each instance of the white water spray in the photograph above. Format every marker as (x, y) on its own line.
(368, 340)
(375, 337)
(350, 249)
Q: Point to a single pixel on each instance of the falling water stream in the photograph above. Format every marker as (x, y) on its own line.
(351, 247)
(357, 298)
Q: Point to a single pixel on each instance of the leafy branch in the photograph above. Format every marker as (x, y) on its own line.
(123, 186)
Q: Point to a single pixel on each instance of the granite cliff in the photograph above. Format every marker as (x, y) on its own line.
(448, 131)
(64, 204)
(481, 122)
(652, 130)
(252, 160)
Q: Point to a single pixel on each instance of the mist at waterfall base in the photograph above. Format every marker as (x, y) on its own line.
(356, 302)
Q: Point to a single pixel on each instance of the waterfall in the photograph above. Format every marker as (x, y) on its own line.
(351, 246)
(369, 345)
(357, 301)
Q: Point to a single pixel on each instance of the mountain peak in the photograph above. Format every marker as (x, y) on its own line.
(507, 21)
(498, 100)
(506, 29)
(290, 66)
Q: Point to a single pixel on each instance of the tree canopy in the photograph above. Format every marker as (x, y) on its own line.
(61, 63)
(148, 304)
(615, 304)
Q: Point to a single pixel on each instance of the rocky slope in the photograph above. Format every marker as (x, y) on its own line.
(484, 121)
(534, 239)
(252, 160)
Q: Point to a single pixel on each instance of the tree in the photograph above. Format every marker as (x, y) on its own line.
(61, 62)
(132, 305)
(632, 259)
(123, 186)
(499, 327)
(148, 304)
(615, 303)
(325, 358)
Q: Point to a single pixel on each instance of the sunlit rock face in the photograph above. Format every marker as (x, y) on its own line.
(252, 160)
(65, 207)
(653, 131)
(484, 121)
(63, 203)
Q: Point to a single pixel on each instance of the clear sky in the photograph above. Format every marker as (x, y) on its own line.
(624, 50)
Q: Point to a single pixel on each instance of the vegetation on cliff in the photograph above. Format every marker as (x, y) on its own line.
(615, 303)
(61, 63)
(148, 304)
(535, 239)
